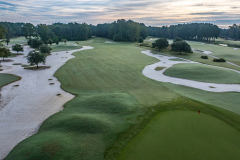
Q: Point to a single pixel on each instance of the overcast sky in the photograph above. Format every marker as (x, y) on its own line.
(150, 12)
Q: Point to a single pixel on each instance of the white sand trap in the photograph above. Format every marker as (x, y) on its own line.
(110, 42)
(25, 107)
(224, 45)
(236, 48)
(150, 72)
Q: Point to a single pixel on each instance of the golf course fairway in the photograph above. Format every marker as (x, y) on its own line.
(184, 135)
(111, 93)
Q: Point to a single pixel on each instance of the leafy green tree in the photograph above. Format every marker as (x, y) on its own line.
(36, 58)
(35, 43)
(29, 31)
(181, 46)
(2, 32)
(177, 39)
(17, 48)
(140, 39)
(50, 41)
(160, 43)
(56, 40)
(7, 40)
(45, 49)
(4, 52)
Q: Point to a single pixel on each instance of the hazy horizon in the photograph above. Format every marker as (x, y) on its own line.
(152, 12)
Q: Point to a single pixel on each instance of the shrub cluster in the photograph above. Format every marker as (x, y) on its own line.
(219, 60)
(204, 57)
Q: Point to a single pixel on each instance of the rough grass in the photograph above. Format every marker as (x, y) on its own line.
(204, 73)
(7, 78)
(185, 134)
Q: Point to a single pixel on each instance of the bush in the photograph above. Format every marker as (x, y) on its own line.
(35, 43)
(140, 39)
(181, 46)
(219, 60)
(160, 43)
(45, 49)
(204, 57)
(177, 39)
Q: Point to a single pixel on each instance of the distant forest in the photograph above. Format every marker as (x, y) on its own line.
(120, 30)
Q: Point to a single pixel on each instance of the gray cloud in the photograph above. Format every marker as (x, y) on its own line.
(152, 12)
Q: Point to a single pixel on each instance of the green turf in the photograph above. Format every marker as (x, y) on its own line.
(184, 135)
(65, 47)
(204, 73)
(19, 40)
(7, 78)
(110, 93)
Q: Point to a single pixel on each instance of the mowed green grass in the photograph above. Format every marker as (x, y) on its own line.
(18, 40)
(110, 93)
(203, 73)
(7, 78)
(184, 135)
(71, 45)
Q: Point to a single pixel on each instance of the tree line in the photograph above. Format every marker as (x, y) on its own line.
(53, 33)
(122, 30)
(191, 31)
(232, 32)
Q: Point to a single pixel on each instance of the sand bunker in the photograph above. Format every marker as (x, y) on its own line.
(37, 96)
(150, 72)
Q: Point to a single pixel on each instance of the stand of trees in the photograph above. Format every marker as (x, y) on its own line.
(12, 29)
(122, 30)
(192, 31)
(233, 32)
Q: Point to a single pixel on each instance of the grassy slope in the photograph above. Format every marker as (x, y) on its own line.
(184, 135)
(110, 92)
(7, 78)
(204, 73)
